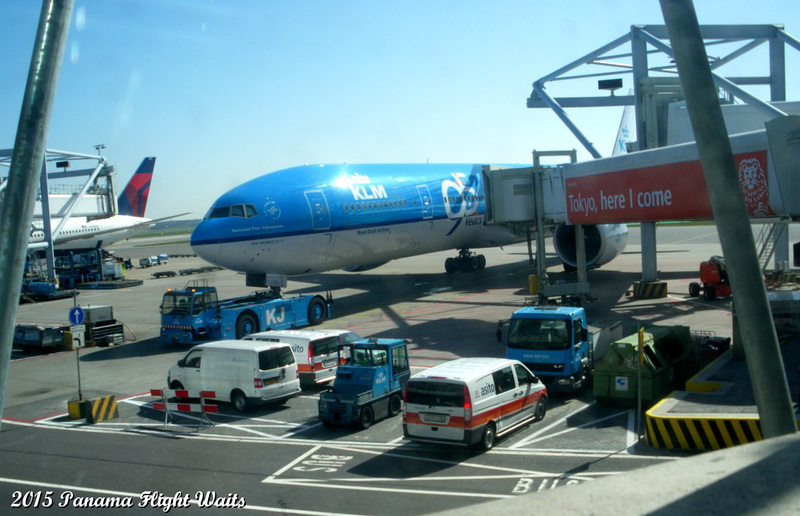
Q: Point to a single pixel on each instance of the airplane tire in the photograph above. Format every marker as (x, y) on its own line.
(316, 311)
(481, 262)
(451, 265)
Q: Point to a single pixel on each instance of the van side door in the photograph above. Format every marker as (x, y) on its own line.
(527, 388)
(507, 397)
(192, 371)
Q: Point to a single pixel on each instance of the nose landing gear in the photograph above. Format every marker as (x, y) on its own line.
(466, 261)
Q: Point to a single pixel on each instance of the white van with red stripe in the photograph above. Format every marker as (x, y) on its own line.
(472, 401)
(314, 350)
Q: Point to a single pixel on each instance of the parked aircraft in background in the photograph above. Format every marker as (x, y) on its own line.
(310, 219)
(81, 234)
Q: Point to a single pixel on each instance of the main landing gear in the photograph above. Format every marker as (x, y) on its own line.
(466, 260)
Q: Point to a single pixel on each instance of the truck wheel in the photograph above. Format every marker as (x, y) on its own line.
(395, 405)
(541, 409)
(316, 311)
(709, 293)
(694, 289)
(239, 401)
(245, 325)
(366, 417)
(487, 439)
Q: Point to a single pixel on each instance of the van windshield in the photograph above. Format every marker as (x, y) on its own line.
(275, 358)
(440, 394)
(539, 334)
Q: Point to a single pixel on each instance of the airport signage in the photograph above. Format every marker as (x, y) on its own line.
(76, 315)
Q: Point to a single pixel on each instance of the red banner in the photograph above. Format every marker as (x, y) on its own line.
(676, 191)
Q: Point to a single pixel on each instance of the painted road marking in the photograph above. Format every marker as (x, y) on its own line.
(326, 464)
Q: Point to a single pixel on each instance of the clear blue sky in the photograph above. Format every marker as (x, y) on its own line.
(221, 92)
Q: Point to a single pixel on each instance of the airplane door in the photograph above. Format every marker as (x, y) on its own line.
(320, 215)
(426, 201)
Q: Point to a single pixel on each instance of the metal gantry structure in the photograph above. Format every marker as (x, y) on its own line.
(648, 59)
(97, 188)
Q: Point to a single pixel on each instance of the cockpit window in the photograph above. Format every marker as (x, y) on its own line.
(219, 212)
(244, 211)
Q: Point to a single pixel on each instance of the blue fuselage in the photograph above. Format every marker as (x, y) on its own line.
(323, 217)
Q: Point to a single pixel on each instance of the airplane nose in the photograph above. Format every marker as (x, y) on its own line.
(204, 246)
(208, 252)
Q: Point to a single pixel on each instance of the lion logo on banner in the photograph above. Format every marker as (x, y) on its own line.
(754, 184)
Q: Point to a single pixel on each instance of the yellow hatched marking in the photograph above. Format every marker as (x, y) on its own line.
(754, 429)
(663, 431)
(676, 427)
(724, 431)
(710, 433)
(698, 441)
(739, 429)
(651, 434)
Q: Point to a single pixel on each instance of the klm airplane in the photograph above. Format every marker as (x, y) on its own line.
(316, 218)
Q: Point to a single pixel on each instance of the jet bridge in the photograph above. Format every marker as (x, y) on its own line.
(663, 184)
(656, 94)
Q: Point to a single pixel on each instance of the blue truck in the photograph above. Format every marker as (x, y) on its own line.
(196, 314)
(368, 385)
(557, 344)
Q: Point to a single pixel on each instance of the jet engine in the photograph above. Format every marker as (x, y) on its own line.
(603, 243)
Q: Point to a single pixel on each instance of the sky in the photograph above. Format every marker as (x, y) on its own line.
(221, 92)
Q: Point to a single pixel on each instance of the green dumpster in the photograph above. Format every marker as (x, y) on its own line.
(664, 355)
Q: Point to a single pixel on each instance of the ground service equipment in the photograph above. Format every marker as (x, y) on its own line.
(713, 280)
(196, 314)
(369, 385)
(557, 345)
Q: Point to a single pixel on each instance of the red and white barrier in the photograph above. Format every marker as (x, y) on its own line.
(200, 406)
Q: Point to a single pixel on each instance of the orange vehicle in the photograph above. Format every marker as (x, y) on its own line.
(713, 280)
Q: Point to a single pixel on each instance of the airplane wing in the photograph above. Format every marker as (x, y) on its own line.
(140, 225)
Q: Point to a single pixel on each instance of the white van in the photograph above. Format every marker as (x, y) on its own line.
(238, 371)
(314, 350)
(472, 401)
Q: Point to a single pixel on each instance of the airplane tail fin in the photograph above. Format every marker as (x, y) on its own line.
(625, 133)
(133, 200)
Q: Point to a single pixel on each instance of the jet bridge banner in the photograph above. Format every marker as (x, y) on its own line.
(671, 191)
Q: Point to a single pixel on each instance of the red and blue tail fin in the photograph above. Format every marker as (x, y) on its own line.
(133, 199)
